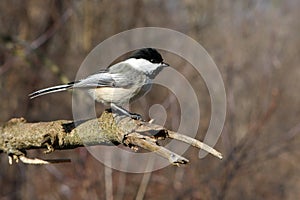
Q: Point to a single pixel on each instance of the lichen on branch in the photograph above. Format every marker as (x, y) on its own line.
(18, 135)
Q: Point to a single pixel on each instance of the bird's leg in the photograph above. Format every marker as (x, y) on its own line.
(125, 112)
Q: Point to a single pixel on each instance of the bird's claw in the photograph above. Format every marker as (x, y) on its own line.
(136, 116)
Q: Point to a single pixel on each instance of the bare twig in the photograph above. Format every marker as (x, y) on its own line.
(194, 142)
(52, 30)
(145, 180)
(108, 178)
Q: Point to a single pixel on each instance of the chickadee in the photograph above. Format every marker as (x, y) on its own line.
(120, 83)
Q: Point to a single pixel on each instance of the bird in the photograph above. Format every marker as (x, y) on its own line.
(119, 84)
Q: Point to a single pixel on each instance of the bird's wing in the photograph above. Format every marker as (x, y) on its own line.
(118, 75)
(95, 80)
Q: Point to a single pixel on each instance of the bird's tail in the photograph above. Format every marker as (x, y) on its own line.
(49, 90)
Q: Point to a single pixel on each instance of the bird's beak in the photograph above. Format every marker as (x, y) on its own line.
(164, 64)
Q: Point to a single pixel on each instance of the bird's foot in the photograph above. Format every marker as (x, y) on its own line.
(135, 116)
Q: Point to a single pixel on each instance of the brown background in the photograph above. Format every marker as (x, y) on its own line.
(256, 46)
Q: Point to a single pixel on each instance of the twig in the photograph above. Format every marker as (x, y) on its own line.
(51, 31)
(173, 158)
(195, 143)
(35, 161)
(145, 180)
(108, 178)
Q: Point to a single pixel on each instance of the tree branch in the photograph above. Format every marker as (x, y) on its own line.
(17, 136)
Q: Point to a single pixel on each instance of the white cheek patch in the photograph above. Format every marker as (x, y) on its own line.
(143, 65)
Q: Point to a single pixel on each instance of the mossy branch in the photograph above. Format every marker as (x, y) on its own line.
(17, 136)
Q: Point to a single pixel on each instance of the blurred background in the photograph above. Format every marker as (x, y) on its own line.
(254, 43)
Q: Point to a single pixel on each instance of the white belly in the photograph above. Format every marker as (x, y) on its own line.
(107, 95)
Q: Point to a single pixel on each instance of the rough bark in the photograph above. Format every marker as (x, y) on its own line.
(17, 136)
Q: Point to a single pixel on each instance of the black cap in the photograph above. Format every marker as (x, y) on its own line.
(149, 54)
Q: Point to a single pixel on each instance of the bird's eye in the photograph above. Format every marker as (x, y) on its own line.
(152, 60)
